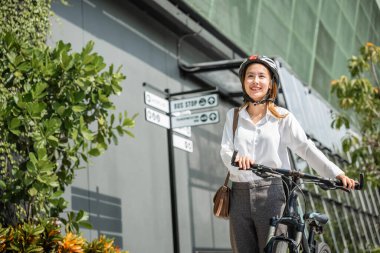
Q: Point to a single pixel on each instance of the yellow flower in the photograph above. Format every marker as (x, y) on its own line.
(71, 243)
(369, 44)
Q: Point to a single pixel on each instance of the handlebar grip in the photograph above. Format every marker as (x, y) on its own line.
(358, 186)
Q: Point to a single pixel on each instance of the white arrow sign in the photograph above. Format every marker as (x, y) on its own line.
(196, 119)
(194, 103)
(182, 143)
(183, 130)
(156, 101)
(157, 118)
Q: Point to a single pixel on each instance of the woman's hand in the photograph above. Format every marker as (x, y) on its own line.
(347, 182)
(244, 162)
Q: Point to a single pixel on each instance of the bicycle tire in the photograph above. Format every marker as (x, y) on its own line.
(322, 247)
(281, 248)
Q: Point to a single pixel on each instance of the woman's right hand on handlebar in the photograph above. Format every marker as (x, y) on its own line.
(244, 162)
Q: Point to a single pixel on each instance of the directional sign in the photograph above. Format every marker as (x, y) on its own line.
(194, 103)
(186, 131)
(182, 143)
(156, 101)
(182, 130)
(195, 119)
(157, 118)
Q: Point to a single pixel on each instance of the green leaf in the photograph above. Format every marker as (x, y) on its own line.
(346, 144)
(79, 108)
(66, 61)
(80, 215)
(35, 109)
(94, 152)
(32, 192)
(128, 122)
(53, 183)
(24, 67)
(39, 90)
(88, 48)
(38, 230)
(3, 186)
(85, 224)
(112, 119)
(41, 153)
(53, 141)
(84, 157)
(32, 158)
(15, 123)
(117, 88)
(31, 167)
(56, 194)
(87, 134)
(34, 249)
(129, 133)
(120, 130)
(59, 108)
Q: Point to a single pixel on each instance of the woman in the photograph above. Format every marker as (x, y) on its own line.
(263, 134)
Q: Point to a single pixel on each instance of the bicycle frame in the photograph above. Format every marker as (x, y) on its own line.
(292, 217)
(296, 228)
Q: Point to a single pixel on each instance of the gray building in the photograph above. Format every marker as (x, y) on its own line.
(152, 198)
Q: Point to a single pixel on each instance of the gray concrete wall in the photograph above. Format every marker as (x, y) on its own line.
(127, 189)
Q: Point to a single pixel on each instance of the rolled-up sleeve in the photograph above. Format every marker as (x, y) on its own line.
(296, 139)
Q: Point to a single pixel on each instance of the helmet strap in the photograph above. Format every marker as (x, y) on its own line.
(254, 103)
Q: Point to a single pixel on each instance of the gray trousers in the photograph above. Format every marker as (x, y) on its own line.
(251, 207)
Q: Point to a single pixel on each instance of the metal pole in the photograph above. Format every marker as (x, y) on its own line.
(173, 191)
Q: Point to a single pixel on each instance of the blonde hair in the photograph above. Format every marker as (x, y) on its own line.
(271, 105)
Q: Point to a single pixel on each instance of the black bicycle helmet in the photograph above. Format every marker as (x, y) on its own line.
(262, 59)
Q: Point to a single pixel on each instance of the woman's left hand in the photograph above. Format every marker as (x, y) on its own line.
(347, 182)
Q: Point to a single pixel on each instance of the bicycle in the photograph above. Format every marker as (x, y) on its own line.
(297, 238)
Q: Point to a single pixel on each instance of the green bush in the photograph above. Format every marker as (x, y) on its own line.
(46, 236)
(359, 99)
(54, 114)
(27, 19)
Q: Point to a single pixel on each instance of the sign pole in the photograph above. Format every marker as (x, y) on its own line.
(165, 119)
(173, 191)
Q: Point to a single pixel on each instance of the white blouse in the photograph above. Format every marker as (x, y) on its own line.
(266, 142)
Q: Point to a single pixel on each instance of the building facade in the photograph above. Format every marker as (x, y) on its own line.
(152, 197)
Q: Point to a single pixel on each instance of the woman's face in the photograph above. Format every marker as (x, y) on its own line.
(257, 81)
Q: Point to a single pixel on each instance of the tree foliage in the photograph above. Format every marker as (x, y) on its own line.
(359, 99)
(27, 19)
(54, 114)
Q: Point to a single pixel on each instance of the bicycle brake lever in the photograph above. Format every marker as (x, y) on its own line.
(343, 188)
(325, 187)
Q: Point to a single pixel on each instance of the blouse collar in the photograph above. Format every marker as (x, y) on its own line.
(245, 115)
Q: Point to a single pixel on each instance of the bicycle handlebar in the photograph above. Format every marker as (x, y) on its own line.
(324, 183)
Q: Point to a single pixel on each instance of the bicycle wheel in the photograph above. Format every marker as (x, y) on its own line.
(322, 248)
(281, 247)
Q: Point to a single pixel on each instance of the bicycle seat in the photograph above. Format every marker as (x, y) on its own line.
(317, 217)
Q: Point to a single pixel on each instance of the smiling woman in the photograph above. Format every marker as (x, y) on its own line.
(263, 135)
(257, 81)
